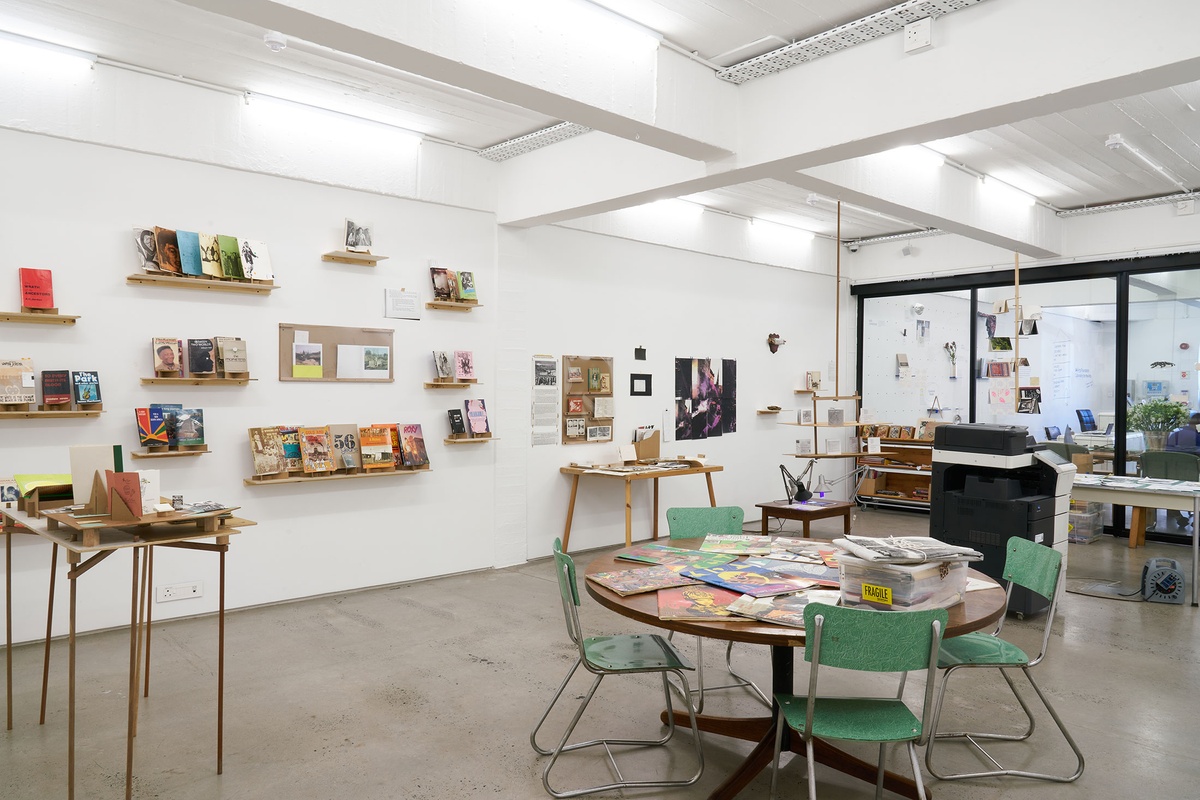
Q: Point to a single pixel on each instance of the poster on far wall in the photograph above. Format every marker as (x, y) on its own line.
(705, 397)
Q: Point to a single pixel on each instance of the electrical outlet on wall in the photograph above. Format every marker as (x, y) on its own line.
(178, 591)
(918, 36)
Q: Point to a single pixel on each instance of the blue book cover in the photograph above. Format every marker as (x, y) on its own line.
(747, 579)
(189, 252)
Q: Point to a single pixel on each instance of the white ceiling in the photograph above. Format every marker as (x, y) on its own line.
(1060, 157)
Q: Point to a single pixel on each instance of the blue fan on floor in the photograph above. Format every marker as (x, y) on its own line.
(1162, 581)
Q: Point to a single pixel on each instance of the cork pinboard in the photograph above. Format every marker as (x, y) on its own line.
(311, 353)
(587, 381)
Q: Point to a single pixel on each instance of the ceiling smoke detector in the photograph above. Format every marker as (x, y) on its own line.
(275, 41)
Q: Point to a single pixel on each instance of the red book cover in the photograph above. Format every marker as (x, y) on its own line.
(37, 288)
(128, 487)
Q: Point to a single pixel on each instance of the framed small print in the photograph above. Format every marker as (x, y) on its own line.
(640, 385)
(605, 383)
(574, 374)
(576, 428)
(806, 416)
(599, 433)
(575, 405)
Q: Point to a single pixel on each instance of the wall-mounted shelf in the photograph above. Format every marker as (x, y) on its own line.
(346, 257)
(768, 410)
(196, 381)
(37, 319)
(48, 414)
(168, 453)
(345, 476)
(450, 384)
(478, 440)
(203, 284)
(452, 305)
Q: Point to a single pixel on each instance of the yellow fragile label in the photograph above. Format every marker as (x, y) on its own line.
(877, 594)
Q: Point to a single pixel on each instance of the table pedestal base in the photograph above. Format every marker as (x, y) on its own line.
(762, 730)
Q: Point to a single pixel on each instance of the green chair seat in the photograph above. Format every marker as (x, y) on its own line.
(980, 649)
(633, 653)
(860, 719)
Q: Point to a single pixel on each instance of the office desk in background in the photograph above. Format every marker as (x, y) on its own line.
(628, 475)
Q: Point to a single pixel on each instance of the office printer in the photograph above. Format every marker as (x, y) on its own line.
(993, 482)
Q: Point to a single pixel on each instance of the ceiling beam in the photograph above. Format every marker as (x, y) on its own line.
(567, 60)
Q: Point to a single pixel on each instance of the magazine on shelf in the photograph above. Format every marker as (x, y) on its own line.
(905, 549)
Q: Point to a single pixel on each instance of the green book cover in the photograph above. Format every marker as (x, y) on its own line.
(231, 259)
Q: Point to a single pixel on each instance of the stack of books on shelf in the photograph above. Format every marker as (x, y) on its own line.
(314, 451)
(203, 256)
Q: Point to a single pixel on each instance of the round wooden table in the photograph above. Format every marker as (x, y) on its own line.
(979, 610)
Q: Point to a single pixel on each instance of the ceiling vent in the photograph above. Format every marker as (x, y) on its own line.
(532, 141)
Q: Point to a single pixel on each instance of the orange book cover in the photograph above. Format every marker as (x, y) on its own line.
(37, 288)
(126, 488)
(376, 446)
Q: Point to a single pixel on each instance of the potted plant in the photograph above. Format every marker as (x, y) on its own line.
(1155, 419)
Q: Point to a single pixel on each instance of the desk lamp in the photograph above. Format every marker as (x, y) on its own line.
(794, 487)
(825, 485)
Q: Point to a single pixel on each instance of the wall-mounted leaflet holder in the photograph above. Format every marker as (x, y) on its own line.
(901, 365)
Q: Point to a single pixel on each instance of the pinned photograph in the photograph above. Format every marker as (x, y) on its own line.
(306, 360)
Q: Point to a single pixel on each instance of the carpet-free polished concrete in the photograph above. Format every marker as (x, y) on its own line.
(429, 690)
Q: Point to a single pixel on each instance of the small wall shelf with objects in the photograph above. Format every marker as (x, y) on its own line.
(169, 453)
(203, 284)
(347, 257)
(37, 318)
(471, 439)
(453, 290)
(449, 384)
(197, 381)
(48, 414)
(452, 305)
(268, 480)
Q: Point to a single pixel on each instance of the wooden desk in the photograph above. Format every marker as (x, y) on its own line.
(980, 610)
(1172, 495)
(95, 545)
(781, 509)
(629, 478)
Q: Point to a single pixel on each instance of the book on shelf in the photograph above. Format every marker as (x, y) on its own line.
(87, 386)
(189, 427)
(210, 255)
(393, 434)
(37, 287)
(167, 354)
(290, 436)
(783, 610)
(200, 359)
(376, 446)
(412, 446)
(344, 437)
(152, 430)
(477, 418)
(256, 260)
(147, 249)
(464, 365)
(603, 407)
(457, 423)
(266, 451)
(575, 405)
(189, 252)
(593, 379)
(231, 352)
(170, 416)
(642, 579)
(167, 245)
(56, 387)
(747, 579)
(445, 283)
(812, 380)
(124, 489)
(89, 460)
(8, 490)
(466, 285)
(443, 363)
(736, 544)
(17, 385)
(231, 258)
(316, 452)
(694, 602)
(150, 485)
(836, 416)
(358, 237)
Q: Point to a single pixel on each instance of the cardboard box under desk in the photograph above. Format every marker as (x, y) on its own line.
(873, 485)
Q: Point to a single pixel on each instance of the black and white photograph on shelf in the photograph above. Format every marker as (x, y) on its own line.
(443, 364)
(576, 428)
(598, 433)
(147, 249)
(358, 236)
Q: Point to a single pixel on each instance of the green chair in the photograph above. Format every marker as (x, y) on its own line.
(630, 654)
(1039, 569)
(865, 641)
(692, 523)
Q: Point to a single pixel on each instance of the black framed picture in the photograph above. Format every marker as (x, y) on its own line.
(640, 385)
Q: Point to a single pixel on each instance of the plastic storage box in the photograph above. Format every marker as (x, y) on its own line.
(894, 587)
(1084, 528)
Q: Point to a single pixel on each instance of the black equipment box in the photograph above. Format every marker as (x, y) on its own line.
(996, 440)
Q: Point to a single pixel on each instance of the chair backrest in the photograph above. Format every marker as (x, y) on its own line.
(1052, 433)
(1087, 421)
(1039, 569)
(689, 523)
(874, 641)
(1170, 464)
(564, 568)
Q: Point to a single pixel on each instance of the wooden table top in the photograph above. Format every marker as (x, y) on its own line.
(641, 474)
(122, 536)
(826, 505)
(979, 610)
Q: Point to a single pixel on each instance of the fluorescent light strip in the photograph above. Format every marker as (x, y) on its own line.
(852, 33)
(27, 41)
(893, 237)
(532, 141)
(1128, 204)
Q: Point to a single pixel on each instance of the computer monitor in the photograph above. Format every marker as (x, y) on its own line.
(1087, 422)
(1052, 433)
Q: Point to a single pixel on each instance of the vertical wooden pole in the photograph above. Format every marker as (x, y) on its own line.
(149, 616)
(221, 665)
(8, 621)
(49, 628)
(837, 313)
(131, 726)
(1017, 328)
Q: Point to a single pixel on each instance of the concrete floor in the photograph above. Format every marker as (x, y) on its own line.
(429, 690)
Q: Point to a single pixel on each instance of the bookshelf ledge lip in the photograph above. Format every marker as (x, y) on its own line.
(37, 319)
(196, 381)
(209, 284)
(378, 473)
